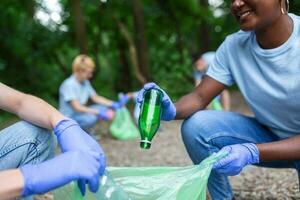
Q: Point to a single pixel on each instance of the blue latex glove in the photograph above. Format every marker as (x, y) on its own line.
(123, 99)
(239, 155)
(106, 114)
(61, 170)
(168, 108)
(116, 105)
(72, 138)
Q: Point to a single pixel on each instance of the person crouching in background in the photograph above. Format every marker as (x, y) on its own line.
(76, 91)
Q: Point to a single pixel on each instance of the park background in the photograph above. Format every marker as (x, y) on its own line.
(132, 42)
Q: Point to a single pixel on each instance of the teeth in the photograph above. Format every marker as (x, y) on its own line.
(243, 14)
(246, 13)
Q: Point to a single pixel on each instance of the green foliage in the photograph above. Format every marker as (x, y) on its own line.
(36, 58)
(26, 52)
(295, 6)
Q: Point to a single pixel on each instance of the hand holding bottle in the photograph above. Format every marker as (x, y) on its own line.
(168, 108)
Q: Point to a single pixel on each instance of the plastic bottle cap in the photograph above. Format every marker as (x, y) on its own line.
(145, 144)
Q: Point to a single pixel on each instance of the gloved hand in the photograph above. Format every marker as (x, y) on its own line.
(115, 105)
(61, 170)
(239, 155)
(72, 138)
(106, 115)
(123, 99)
(168, 108)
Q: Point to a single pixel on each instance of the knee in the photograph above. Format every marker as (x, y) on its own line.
(196, 131)
(200, 125)
(187, 129)
(88, 121)
(42, 140)
(92, 120)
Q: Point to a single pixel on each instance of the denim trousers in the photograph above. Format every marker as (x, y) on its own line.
(87, 120)
(23, 143)
(207, 131)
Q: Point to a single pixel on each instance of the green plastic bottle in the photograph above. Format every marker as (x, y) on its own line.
(149, 119)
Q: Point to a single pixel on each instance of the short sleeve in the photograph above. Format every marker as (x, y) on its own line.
(219, 68)
(68, 92)
(90, 89)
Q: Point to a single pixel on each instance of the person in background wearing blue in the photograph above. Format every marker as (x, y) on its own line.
(76, 91)
(201, 65)
(27, 149)
(263, 60)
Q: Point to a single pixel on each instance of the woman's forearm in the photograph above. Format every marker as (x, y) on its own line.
(188, 104)
(38, 112)
(199, 98)
(11, 184)
(288, 149)
(28, 107)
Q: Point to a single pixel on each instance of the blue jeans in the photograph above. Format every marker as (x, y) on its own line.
(87, 120)
(24, 143)
(208, 131)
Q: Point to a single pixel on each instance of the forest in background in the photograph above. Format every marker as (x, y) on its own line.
(131, 41)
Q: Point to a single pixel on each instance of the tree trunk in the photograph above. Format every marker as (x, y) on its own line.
(132, 51)
(141, 40)
(204, 30)
(124, 80)
(80, 29)
(63, 67)
(96, 57)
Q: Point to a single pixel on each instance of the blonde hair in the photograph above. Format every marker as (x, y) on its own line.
(81, 62)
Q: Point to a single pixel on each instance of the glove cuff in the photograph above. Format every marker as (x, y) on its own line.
(172, 112)
(124, 98)
(253, 151)
(115, 105)
(28, 186)
(63, 125)
(173, 115)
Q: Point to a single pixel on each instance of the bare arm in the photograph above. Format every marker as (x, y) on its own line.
(225, 100)
(199, 98)
(288, 149)
(11, 184)
(81, 108)
(101, 100)
(131, 95)
(29, 108)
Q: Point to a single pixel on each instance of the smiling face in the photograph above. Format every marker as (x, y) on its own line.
(256, 14)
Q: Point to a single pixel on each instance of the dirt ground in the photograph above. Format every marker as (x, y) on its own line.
(168, 150)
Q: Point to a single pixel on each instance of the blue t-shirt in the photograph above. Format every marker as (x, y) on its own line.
(72, 89)
(269, 79)
(198, 75)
